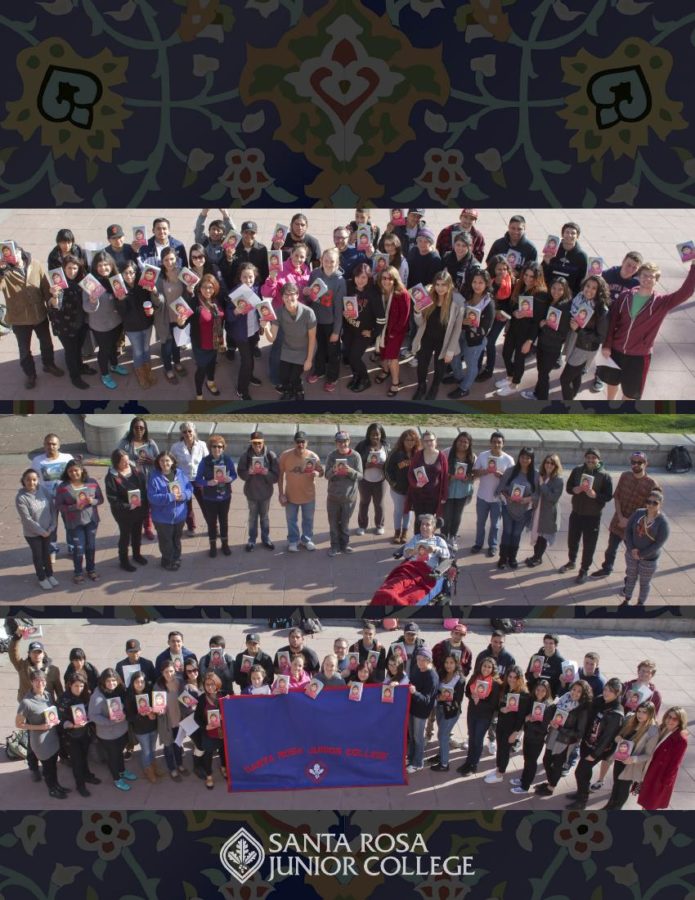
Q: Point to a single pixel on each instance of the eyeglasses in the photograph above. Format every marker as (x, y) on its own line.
(188, 431)
(387, 277)
(192, 669)
(197, 256)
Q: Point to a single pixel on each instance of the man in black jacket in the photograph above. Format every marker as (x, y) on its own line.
(133, 658)
(588, 499)
(217, 660)
(296, 648)
(411, 643)
(599, 740)
(252, 251)
(504, 660)
(515, 239)
(570, 261)
(368, 644)
(552, 665)
(253, 648)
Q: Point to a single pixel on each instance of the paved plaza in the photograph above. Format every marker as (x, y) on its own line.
(103, 642)
(609, 233)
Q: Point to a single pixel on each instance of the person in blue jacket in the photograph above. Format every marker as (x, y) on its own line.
(424, 684)
(168, 492)
(215, 475)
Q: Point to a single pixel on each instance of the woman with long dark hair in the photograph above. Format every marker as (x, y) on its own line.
(576, 703)
(168, 492)
(69, 321)
(396, 302)
(478, 320)
(515, 703)
(501, 288)
(529, 303)
(452, 684)
(588, 329)
(137, 308)
(211, 726)
(207, 328)
(461, 462)
(438, 331)
(104, 318)
(641, 730)
(553, 331)
(142, 451)
(126, 493)
(107, 711)
(359, 332)
(396, 472)
(75, 729)
(36, 509)
(373, 450)
(662, 769)
(242, 327)
(546, 516)
(77, 498)
(142, 722)
(483, 691)
(169, 289)
(428, 478)
(518, 490)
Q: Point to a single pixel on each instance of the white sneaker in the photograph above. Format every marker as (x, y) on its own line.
(309, 545)
(493, 748)
(507, 390)
(379, 530)
(501, 382)
(292, 548)
(46, 585)
(515, 782)
(54, 581)
(528, 395)
(411, 770)
(412, 362)
(493, 778)
(517, 789)
(361, 531)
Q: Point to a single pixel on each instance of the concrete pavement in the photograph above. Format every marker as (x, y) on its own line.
(605, 232)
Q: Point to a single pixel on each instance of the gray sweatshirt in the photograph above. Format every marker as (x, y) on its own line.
(343, 487)
(106, 316)
(98, 713)
(329, 308)
(36, 511)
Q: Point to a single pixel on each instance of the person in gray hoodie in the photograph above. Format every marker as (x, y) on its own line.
(646, 533)
(104, 318)
(329, 318)
(37, 514)
(343, 471)
(259, 470)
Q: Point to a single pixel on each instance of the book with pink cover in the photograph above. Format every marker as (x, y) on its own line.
(142, 703)
(118, 287)
(281, 685)
(266, 312)
(538, 711)
(420, 297)
(188, 277)
(8, 250)
(353, 661)
(482, 688)
(686, 251)
(560, 717)
(512, 703)
(247, 663)
(387, 693)
(623, 749)
(79, 714)
(420, 473)
(51, 716)
(231, 240)
(525, 306)
(214, 718)
(115, 708)
(355, 692)
(159, 701)
(350, 310)
(552, 319)
(93, 288)
(373, 659)
(536, 665)
(314, 688)
(57, 278)
(284, 659)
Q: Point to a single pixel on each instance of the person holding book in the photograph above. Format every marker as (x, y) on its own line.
(528, 305)
(554, 327)
(588, 500)
(328, 310)
(460, 263)
(299, 468)
(396, 302)
(413, 581)
(518, 490)
(396, 473)
(427, 495)
(188, 453)
(461, 463)
(36, 509)
(371, 651)
(635, 320)
(631, 493)
(256, 657)
(104, 317)
(483, 691)
(296, 271)
(514, 239)
(259, 469)
(423, 687)
(215, 475)
(134, 658)
(588, 328)
(395, 672)
(162, 239)
(50, 465)
(168, 719)
(176, 652)
(501, 287)
(77, 500)
(646, 670)
(569, 260)
(296, 647)
(206, 327)
(373, 450)
(165, 293)
(478, 320)
(605, 722)
(546, 664)
(137, 308)
(646, 533)
(26, 289)
(393, 248)
(535, 732)
(44, 739)
(438, 328)
(490, 466)
(564, 735)
(640, 732)
(142, 722)
(359, 332)
(168, 493)
(298, 234)
(295, 327)
(220, 662)
(515, 705)
(142, 451)
(660, 775)
(75, 731)
(69, 321)
(126, 493)
(448, 707)
(211, 726)
(241, 320)
(545, 523)
(213, 241)
(466, 225)
(106, 710)
(343, 471)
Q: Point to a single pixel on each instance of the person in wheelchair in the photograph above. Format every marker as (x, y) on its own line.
(421, 576)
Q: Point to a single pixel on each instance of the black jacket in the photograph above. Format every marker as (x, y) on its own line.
(486, 708)
(572, 732)
(504, 660)
(422, 269)
(552, 672)
(260, 659)
(525, 248)
(603, 486)
(604, 723)
(71, 318)
(146, 667)
(370, 306)
(311, 660)
(553, 340)
(569, 264)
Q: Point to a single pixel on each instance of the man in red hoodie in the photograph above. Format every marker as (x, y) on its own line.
(635, 320)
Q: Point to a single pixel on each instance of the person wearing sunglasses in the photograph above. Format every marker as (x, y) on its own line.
(646, 533)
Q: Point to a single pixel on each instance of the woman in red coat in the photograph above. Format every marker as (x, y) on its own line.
(428, 479)
(397, 313)
(662, 769)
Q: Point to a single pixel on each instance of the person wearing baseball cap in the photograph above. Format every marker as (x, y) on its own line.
(137, 661)
(259, 657)
(631, 493)
(466, 222)
(590, 488)
(424, 684)
(259, 470)
(344, 471)
(406, 234)
(249, 250)
(212, 241)
(121, 252)
(299, 467)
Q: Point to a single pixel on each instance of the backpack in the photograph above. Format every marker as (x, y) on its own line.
(17, 745)
(504, 625)
(678, 460)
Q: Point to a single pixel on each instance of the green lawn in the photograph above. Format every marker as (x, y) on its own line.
(584, 422)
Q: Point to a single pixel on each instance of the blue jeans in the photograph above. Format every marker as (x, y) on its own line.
(512, 530)
(477, 728)
(140, 342)
(444, 729)
(401, 520)
(471, 357)
(490, 350)
(292, 515)
(147, 744)
(258, 509)
(416, 740)
(83, 540)
(274, 358)
(483, 509)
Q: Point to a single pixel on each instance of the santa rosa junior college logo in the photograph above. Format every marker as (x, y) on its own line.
(242, 855)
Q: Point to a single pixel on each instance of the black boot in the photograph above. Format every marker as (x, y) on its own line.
(538, 551)
(421, 391)
(226, 549)
(362, 385)
(213, 549)
(511, 557)
(432, 393)
(124, 564)
(504, 555)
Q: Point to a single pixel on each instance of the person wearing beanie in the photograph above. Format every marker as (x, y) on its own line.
(423, 260)
(344, 472)
(590, 488)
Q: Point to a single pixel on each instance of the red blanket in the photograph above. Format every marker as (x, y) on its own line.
(406, 585)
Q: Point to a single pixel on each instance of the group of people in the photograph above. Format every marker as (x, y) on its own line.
(555, 708)
(406, 293)
(152, 491)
